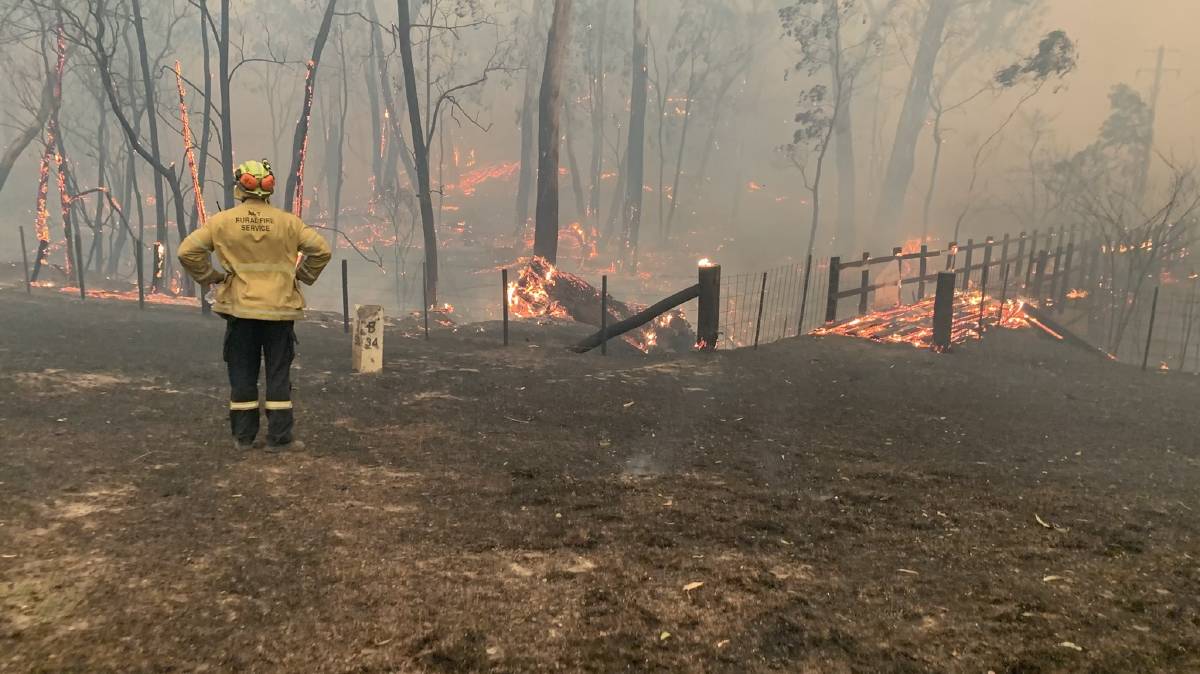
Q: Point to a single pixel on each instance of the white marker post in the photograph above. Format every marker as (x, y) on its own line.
(367, 356)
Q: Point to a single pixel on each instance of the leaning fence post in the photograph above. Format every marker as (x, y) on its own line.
(25, 262)
(831, 303)
(345, 296)
(603, 315)
(866, 283)
(504, 301)
(762, 296)
(1150, 331)
(924, 264)
(708, 318)
(943, 310)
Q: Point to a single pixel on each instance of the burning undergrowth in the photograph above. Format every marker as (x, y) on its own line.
(544, 292)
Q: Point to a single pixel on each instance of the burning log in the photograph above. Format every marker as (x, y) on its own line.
(543, 291)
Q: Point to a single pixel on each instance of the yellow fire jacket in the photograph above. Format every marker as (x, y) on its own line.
(257, 244)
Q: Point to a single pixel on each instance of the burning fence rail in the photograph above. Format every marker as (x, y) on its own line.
(913, 324)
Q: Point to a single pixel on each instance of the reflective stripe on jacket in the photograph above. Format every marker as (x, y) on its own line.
(257, 244)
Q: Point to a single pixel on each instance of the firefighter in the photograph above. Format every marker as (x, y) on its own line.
(259, 298)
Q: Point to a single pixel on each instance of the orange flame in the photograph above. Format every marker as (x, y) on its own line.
(471, 180)
(189, 147)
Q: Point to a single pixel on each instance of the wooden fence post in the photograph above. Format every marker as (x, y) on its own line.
(1040, 277)
(923, 270)
(25, 263)
(762, 296)
(1020, 255)
(74, 241)
(425, 298)
(603, 315)
(1058, 278)
(708, 319)
(835, 275)
(804, 294)
(1003, 253)
(141, 276)
(1065, 286)
(987, 263)
(345, 296)
(504, 301)
(866, 282)
(943, 310)
(1150, 331)
(966, 280)
(1032, 257)
(1003, 294)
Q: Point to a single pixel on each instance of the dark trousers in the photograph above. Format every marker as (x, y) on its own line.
(247, 343)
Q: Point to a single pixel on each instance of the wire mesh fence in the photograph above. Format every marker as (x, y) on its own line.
(767, 306)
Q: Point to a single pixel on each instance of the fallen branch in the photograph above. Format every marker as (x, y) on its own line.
(639, 319)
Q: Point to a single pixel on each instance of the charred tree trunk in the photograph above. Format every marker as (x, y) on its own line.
(378, 149)
(545, 242)
(206, 118)
(635, 155)
(155, 155)
(101, 181)
(683, 134)
(525, 178)
(597, 108)
(295, 179)
(337, 175)
(114, 257)
(397, 148)
(226, 106)
(420, 151)
(573, 162)
(912, 117)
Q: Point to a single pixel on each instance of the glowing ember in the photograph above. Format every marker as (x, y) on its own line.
(529, 295)
(913, 324)
(471, 180)
(574, 235)
(754, 187)
(189, 147)
(1077, 294)
(298, 200)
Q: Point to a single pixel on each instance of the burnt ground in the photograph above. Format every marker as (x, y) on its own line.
(1014, 506)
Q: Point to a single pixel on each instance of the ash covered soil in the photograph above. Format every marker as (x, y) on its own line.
(824, 505)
